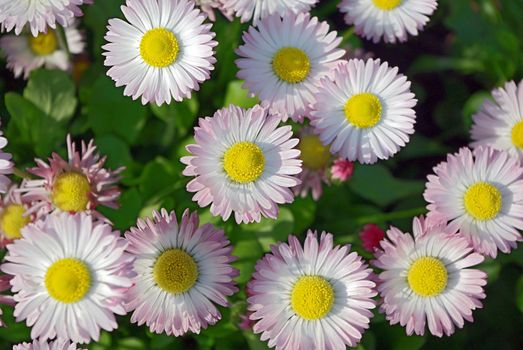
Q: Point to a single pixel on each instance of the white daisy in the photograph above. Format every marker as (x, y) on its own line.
(70, 276)
(391, 19)
(38, 14)
(283, 60)
(164, 51)
(242, 163)
(181, 271)
(365, 111)
(259, 9)
(26, 53)
(426, 279)
(481, 193)
(499, 122)
(315, 296)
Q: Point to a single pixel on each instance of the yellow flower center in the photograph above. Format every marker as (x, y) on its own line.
(68, 280)
(314, 154)
(44, 44)
(517, 134)
(387, 5)
(175, 271)
(427, 276)
(483, 201)
(244, 162)
(71, 192)
(312, 297)
(291, 65)
(12, 220)
(159, 47)
(363, 110)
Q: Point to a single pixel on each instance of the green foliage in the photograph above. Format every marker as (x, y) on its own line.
(468, 48)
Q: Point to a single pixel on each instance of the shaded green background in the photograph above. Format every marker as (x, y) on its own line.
(468, 48)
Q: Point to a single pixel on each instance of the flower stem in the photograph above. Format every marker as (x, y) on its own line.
(22, 174)
(395, 215)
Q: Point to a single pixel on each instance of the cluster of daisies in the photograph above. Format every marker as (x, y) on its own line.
(68, 272)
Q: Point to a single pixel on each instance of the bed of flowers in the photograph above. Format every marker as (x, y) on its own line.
(255, 174)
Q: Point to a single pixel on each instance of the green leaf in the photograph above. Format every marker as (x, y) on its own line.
(53, 91)
(376, 183)
(31, 127)
(125, 216)
(519, 294)
(109, 111)
(238, 96)
(15, 332)
(116, 150)
(159, 178)
(269, 231)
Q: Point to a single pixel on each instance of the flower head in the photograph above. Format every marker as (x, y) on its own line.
(342, 169)
(257, 10)
(481, 193)
(13, 215)
(317, 296)
(182, 270)
(59, 344)
(38, 15)
(71, 275)
(426, 279)
(364, 111)
(316, 160)
(283, 59)
(390, 20)
(499, 122)
(162, 52)
(243, 162)
(78, 184)
(26, 52)
(371, 236)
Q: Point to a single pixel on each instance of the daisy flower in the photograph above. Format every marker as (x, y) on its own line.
(371, 236)
(342, 170)
(260, 9)
(80, 183)
(242, 163)
(426, 279)
(6, 165)
(312, 297)
(182, 269)
(283, 59)
(364, 111)
(316, 160)
(38, 14)
(71, 275)
(163, 51)
(13, 216)
(391, 20)
(499, 122)
(26, 53)
(481, 193)
(59, 344)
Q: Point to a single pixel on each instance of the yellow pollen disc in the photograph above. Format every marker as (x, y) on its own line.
(483, 201)
(71, 192)
(68, 280)
(387, 5)
(427, 276)
(159, 47)
(363, 110)
(44, 44)
(12, 220)
(291, 65)
(517, 134)
(312, 297)
(175, 271)
(314, 154)
(244, 162)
